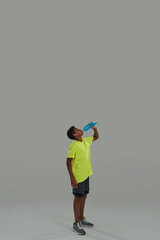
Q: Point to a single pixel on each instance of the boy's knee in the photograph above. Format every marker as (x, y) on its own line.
(79, 195)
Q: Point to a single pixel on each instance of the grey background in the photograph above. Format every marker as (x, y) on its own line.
(65, 63)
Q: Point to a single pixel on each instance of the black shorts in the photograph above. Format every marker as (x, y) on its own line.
(83, 188)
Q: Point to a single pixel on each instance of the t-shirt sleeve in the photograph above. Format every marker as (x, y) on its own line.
(71, 151)
(89, 140)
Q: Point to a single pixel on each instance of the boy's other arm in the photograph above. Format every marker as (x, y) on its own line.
(72, 178)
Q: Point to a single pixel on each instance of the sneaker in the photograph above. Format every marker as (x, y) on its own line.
(77, 228)
(84, 223)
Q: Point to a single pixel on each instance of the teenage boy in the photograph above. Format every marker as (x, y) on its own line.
(79, 168)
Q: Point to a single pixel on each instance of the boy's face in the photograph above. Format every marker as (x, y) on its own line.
(77, 132)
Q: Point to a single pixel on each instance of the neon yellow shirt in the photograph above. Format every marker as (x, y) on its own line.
(80, 152)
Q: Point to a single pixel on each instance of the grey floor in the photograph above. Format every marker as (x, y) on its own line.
(49, 221)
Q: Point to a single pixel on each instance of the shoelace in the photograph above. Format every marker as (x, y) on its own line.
(80, 224)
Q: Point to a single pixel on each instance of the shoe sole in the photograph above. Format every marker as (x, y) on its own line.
(87, 226)
(78, 232)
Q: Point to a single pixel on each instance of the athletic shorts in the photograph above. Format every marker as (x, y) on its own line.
(83, 188)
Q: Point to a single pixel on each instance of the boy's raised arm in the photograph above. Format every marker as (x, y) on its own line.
(96, 135)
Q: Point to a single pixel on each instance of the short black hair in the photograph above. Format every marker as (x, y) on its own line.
(70, 133)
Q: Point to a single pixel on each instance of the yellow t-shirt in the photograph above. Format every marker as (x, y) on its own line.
(80, 152)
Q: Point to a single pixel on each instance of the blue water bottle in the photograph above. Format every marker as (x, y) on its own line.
(88, 126)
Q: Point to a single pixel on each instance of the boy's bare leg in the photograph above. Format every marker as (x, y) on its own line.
(82, 204)
(76, 206)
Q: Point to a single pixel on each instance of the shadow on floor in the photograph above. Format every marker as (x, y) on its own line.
(66, 222)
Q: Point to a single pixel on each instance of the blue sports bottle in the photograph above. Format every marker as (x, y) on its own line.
(88, 126)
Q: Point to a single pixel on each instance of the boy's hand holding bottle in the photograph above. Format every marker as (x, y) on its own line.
(93, 127)
(90, 125)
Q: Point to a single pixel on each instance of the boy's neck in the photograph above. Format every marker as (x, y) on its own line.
(79, 139)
